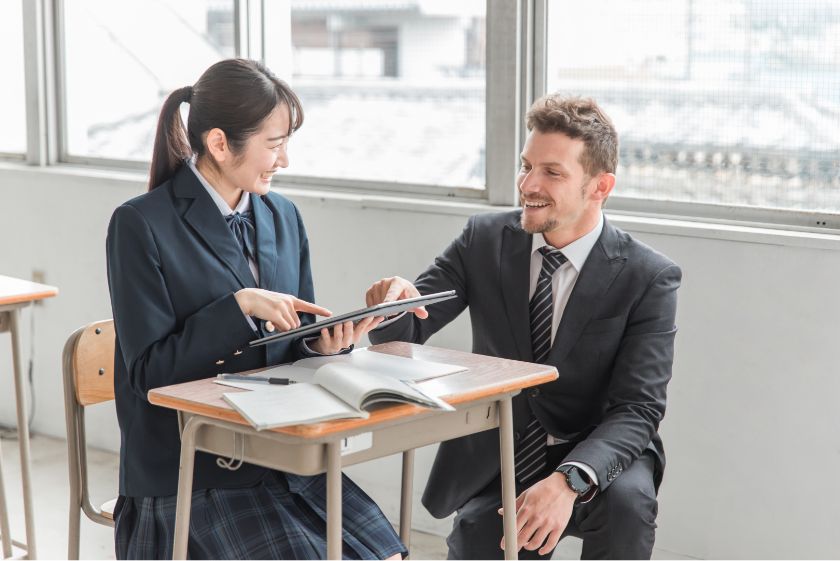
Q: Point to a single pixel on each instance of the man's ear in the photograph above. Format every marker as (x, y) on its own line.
(217, 145)
(603, 187)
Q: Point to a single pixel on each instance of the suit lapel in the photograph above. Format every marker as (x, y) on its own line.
(266, 241)
(515, 270)
(598, 272)
(209, 224)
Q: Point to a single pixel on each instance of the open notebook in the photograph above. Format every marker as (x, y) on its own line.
(336, 387)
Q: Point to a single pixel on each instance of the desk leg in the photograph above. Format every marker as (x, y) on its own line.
(406, 498)
(334, 540)
(4, 517)
(508, 475)
(23, 433)
(185, 481)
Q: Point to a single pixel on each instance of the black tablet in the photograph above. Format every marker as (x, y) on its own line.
(384, 309)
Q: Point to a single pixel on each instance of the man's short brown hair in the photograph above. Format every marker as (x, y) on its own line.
(578, 117)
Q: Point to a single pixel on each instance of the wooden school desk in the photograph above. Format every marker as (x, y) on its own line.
(481, 394)
(14, 295)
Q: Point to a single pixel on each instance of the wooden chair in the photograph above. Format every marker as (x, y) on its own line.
(88, 365)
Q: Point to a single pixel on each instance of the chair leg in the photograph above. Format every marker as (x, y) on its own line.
(4, 517)
(75, 471)
(74, 532)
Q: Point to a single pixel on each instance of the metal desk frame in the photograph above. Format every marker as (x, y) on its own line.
(310, 456)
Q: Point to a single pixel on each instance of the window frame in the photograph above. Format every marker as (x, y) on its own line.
(793, 219)
(249, 32)
(516, 74)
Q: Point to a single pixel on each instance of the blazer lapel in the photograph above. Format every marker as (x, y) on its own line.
(209, 224)
(266, 241)
(515, 267)
(600, 269)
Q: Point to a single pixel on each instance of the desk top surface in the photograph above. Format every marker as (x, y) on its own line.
(486, 376)
(17, 291)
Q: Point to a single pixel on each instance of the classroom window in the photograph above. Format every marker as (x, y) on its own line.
(12, 94)
(728, 102)
(392, 91)
(121, 60)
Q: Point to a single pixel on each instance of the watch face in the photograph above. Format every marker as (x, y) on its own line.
(576, 481)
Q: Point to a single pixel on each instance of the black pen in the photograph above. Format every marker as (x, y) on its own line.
(246, 378)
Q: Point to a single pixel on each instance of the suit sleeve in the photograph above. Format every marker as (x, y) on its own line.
(449, 272)
(156, 350)
(635, 398)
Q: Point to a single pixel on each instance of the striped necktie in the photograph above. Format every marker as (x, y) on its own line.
(531, 452)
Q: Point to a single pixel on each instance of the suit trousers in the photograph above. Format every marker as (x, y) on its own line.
(619, 523)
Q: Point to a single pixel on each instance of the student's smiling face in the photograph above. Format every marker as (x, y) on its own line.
(263, 155)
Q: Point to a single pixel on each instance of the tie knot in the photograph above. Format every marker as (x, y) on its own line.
(239, 218)
(552, 259)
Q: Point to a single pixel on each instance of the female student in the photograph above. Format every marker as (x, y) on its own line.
(203, 263)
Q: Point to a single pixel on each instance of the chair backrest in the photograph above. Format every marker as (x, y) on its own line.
(88, 370)
(91, 362)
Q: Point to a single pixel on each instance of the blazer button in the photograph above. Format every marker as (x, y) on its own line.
(219, 362)
(535, 392)
(517, 436)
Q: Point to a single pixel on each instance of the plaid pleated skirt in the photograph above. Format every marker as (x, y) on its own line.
(282, 517)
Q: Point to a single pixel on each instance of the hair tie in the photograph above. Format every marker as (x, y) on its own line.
(188, 93)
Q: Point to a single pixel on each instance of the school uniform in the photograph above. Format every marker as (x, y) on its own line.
(174, 264)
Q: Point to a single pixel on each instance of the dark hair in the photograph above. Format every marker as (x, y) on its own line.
(235, 95)
(578, 117)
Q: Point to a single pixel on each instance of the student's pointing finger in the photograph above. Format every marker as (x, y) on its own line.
(304, 306)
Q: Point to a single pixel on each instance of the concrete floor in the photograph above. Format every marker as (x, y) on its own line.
(51, 490)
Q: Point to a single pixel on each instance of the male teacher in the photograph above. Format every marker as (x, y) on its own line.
(554, 282)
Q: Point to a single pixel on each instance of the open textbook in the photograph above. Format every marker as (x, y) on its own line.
(335, 387)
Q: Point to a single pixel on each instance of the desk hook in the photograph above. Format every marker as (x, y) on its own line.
(234, 463)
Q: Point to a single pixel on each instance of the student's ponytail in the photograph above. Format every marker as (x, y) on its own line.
(172, 146)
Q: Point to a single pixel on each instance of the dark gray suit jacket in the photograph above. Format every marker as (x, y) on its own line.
(614, 349)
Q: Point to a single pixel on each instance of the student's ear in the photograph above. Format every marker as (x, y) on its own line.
(217, 145)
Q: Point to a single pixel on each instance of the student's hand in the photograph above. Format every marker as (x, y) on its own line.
(343, 335)
(277, 309)
(542, 514)
(391, 289)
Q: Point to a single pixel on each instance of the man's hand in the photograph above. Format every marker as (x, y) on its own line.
(542, 514)
(391, 289)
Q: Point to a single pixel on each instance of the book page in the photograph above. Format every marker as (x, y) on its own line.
(282, 406)
(360, 388)
(397, 367)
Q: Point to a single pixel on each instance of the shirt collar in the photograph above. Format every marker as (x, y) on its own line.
(244, 201)
(577, 251)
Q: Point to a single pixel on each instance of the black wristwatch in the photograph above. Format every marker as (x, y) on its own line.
(578, 481)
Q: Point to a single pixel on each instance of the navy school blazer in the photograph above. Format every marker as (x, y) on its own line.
(173, 269)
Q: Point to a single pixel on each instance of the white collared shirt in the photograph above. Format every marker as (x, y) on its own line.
(243, 206)
(564, 278)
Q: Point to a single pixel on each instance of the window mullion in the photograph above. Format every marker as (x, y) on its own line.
(40, 93)
(504, 98)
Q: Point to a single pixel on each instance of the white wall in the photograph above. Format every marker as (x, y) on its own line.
(752, 430)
